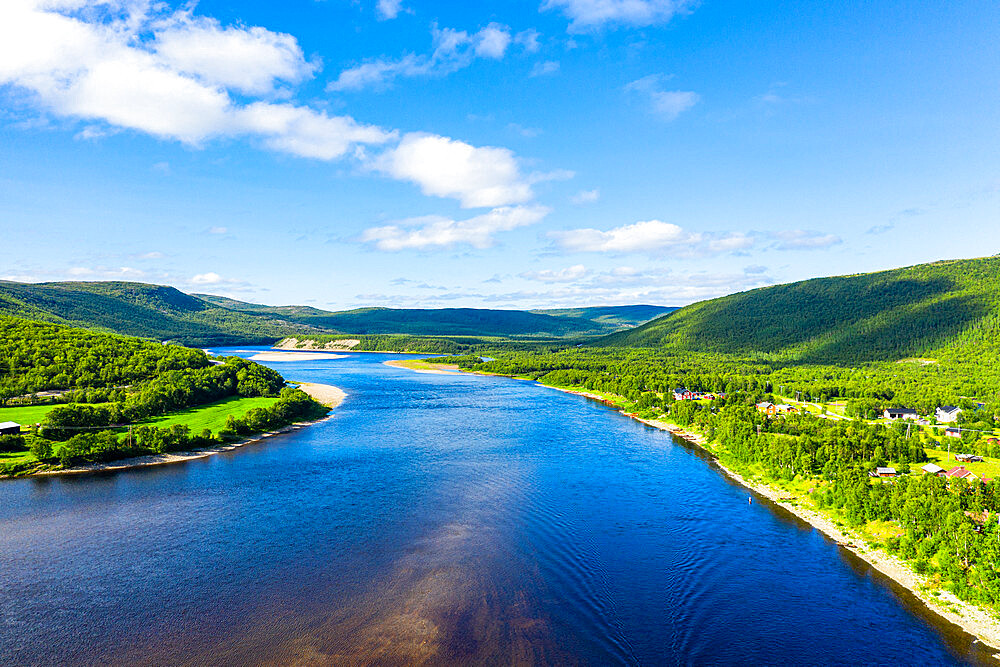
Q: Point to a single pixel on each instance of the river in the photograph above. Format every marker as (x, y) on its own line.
(441, 519)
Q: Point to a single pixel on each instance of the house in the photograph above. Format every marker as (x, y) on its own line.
(682, 394)
(783, 407)
(946, 414)
(953, 432)
(893, 414)
(10, 428)
(769, 409)
(960, 472)
(885, 472)
(968, 458)
(933, 469)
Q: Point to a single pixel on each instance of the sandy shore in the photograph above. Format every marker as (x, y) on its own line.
(972, 619)
(420, 366)
(281, 355)
(326, 394)
(342, 345)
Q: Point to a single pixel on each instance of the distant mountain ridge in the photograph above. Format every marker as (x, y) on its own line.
(166, 313)
(947, 309)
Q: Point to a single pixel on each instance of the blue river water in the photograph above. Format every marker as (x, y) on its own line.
(440, 519)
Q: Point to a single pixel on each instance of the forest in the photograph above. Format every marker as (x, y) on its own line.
(106, 385)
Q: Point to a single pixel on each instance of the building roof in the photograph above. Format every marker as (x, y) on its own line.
(885, 471)
(9, 425)
(907, 410)
(932, 468)
(960, 472)
(949, 408)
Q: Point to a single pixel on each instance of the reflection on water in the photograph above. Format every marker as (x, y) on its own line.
(438, 519)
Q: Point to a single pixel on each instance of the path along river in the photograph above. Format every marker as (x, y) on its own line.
(440, 519)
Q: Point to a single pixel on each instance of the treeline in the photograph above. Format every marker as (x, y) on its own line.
(35, 356)
(110, 444)
(948, 531)
(171, 390)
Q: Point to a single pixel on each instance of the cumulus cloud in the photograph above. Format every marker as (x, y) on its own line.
(452, 50)
(389, 9)
(210, 278)
(801, 239)
(588, 15)
(250, 60)
(445, 167)
(435, 232)
(568, 275)
(653, 237)
(139, 66)
(668, 104)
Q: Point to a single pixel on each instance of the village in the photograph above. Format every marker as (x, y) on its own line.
(944, 421)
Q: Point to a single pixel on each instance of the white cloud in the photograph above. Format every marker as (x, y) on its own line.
(732, 242)
(218, 230)
(452, 50)
(801, 239)
(210, 278)
(105, 273)
(646, 236)
(493, 41)
(528, 40)
(586, 196)
(568, 275)
(432, 232)
(444, 167)
(250, 60)
(586, 15)
(652, 237)
(139, 66)
(669, 104)
(389, 9)
(545, 68)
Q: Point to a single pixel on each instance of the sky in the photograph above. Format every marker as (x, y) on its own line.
(534, 154)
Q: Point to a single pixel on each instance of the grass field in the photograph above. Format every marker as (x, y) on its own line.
(31, 414)
(989, 467)
(211, 415)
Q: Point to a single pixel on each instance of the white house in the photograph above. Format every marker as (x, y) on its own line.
(893, 414)
(947, 414)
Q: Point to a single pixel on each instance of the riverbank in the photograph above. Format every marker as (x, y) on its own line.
(421, 366)
(974, 620)
(326, 394)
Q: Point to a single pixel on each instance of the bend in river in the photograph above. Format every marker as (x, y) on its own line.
(439, 519)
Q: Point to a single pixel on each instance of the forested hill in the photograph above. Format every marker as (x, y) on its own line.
(165, 313)
(138, 309)
(943, 310)
(457, 321)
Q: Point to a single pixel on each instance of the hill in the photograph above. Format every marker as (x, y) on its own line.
(624, 317)
(165, 313)
(139, 309)
(457, 321)
(948, 310)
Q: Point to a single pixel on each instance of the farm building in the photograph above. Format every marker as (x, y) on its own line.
(9, 428)
(946, 414)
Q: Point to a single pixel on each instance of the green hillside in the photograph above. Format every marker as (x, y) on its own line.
(623, 317)
(138, 309)
(457, 321)
(948, 310)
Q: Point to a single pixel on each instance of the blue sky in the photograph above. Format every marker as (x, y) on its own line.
(511, 154)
